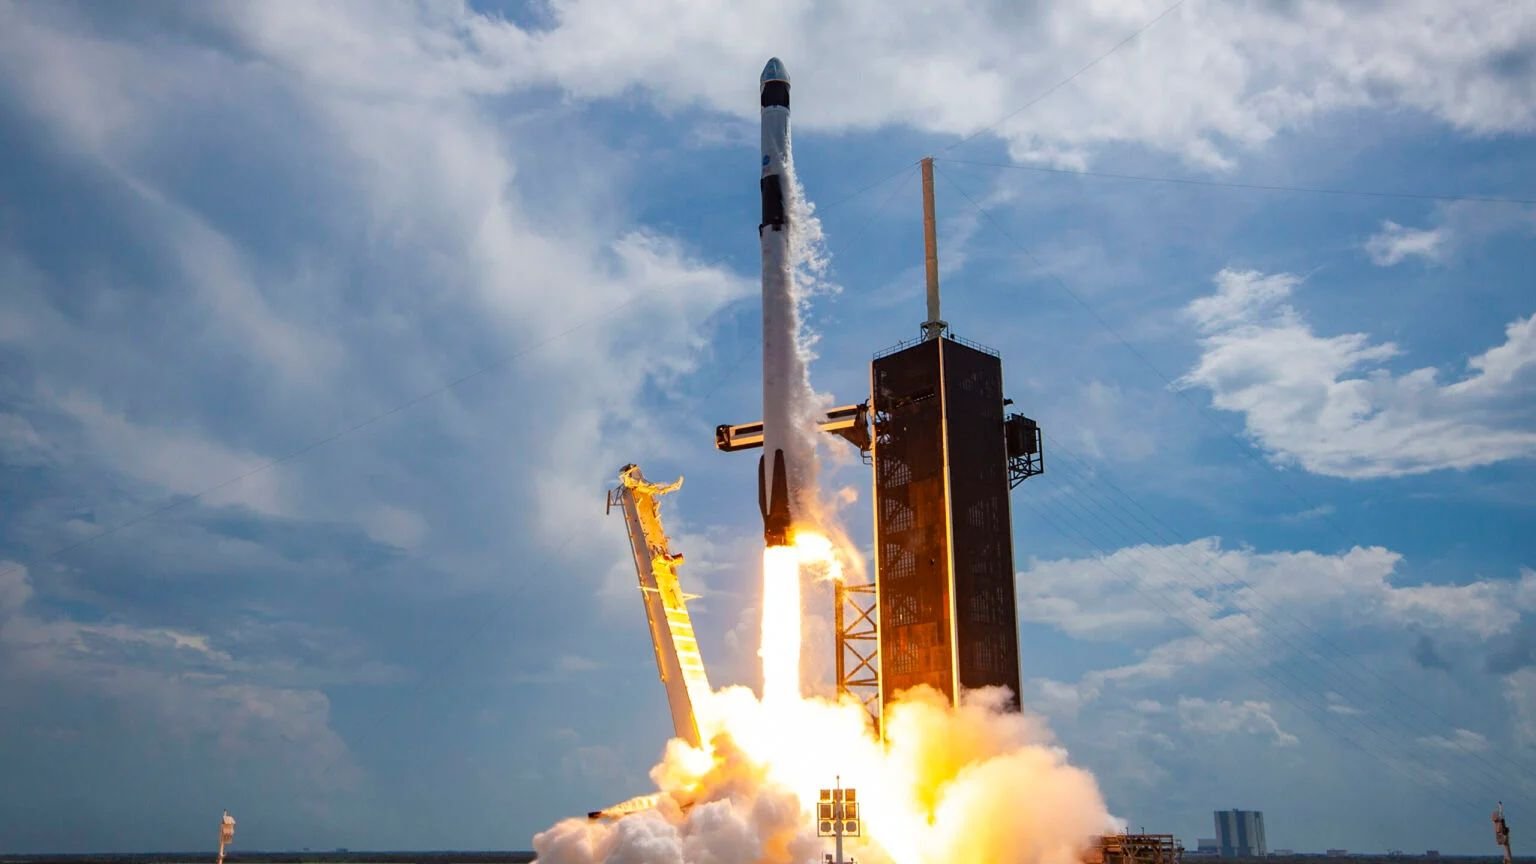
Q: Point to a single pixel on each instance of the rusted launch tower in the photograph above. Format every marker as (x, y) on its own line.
(945, 457)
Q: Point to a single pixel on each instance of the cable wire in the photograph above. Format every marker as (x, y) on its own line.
(1263, 616)
(1138, 354)
(1172, 385)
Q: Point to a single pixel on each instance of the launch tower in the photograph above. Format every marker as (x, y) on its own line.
(945, 457)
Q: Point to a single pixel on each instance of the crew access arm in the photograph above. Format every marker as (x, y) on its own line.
(677, 650)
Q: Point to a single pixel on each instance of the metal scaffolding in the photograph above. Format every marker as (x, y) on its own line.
(858, 645)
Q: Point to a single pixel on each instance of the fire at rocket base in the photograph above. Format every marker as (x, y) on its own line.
(784, 470)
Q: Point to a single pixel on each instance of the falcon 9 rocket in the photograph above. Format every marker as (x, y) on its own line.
(784, 470)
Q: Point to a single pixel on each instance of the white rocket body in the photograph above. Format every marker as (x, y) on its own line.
(784, 471)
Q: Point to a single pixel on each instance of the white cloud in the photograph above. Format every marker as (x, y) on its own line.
(1209, 79)
(1058, 700)
(182, 461)
(1338, 705)
(1248, 604)
(446, 200)
(1460, 740)
(1321, 511)
(1325, 403)
(1457, 227)
(20, 443)
(1223, 717)
(1520, 694)
(187, 688)
(1394, 243)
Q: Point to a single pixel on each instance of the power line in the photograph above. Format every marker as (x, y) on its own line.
(1067, 80)
(1204, 413)
(1262, 187)
(1296, 692)
(1262, 615)
(727, 372)
(321, 442)
(1125, 343)
(1239, 644)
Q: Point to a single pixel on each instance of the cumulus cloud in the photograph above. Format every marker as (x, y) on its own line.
(1204, 83)
(1223, 717)
(1327, 404)
(1199, 604)
(1520, 695)
(177, 680)
(1102, 597)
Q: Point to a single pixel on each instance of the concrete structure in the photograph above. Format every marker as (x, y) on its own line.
(1240, 833)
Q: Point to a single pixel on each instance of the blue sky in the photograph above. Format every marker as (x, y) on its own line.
(1281, 557)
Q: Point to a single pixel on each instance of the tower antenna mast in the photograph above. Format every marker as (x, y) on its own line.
(935, 326)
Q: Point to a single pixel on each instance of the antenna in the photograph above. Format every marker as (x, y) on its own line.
(934, 327)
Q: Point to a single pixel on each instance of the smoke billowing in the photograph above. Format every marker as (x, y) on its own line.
(974, 783)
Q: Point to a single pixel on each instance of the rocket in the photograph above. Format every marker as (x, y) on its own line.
(781, 469)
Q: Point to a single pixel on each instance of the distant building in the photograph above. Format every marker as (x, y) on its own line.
(1432, 853)
(1207, 846)
(1240, 833)
(1337, 853)
(1285, 853)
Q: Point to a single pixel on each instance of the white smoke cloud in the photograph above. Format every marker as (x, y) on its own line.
(976, 782)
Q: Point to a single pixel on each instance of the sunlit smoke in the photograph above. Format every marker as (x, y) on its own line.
(969, 783)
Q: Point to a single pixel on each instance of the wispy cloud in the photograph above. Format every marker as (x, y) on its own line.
(1460, 740)
(1394, 244)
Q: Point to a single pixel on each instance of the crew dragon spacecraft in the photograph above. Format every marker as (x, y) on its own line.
(782, 473)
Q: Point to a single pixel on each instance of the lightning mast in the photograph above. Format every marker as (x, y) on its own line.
(226, 833)
(1501, 831)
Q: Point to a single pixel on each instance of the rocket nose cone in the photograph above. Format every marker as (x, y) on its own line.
(774, 71)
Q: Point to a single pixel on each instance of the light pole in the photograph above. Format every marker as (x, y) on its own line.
(837, 816)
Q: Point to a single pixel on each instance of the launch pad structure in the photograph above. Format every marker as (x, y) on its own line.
(1135, 849)
(945, 454)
